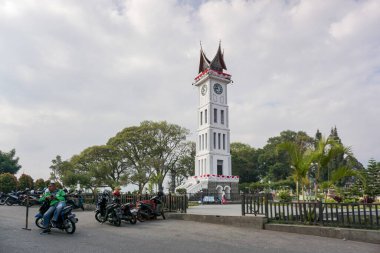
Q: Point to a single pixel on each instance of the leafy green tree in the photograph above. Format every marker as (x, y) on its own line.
(8, 182)
(244, 162)
(372, 178)
(300, 160)
(25, 181)
(277, 163)
(39, 184)
(325, 152)
(151, 149)
(8, 162)
(184, 168)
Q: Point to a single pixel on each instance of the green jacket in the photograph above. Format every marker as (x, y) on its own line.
(59, 196)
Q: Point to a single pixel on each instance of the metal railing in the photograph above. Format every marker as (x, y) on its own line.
(353, 215)
(172, 202)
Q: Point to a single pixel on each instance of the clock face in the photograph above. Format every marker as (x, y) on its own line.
(204, 89)
(218, 89)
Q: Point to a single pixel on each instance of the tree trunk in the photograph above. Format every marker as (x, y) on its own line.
(173, 183)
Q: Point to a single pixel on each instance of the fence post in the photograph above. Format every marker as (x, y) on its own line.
(243, 204)
(170, 202)
(320, 212)
(266, 205)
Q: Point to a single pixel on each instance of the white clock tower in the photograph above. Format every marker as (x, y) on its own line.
(213, 160)
(213, 141)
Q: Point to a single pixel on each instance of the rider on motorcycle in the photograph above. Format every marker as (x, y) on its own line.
(57, 203)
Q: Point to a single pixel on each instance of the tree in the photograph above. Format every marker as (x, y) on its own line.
(25, 181)
(151, 149)
(244, 162)
(39, 184)
(8, 162)
(372, 178)
(326, 151)
(8, 182)
(184, 168)
(277, 163)
(300, 160)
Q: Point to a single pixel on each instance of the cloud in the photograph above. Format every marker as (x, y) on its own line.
(72, 74)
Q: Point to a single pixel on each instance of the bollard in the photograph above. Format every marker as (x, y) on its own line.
(27, 211)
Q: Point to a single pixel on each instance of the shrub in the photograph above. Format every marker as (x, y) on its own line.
(284, 196)
(181, 191)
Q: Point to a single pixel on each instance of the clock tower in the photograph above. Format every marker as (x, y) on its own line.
(213, 172)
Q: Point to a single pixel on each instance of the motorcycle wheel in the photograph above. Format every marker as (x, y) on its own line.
(99, 217)
(163, 215)
(116, 220)
(69, 226)
(8, 202)
(133, 220)
(40, 222)
(2, 201)
(139, 217)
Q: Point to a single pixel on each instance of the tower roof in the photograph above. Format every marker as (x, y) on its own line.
(217, 63)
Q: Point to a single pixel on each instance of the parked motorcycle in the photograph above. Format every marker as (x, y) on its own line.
(101, 206)
(114, 212)
(3, 197)
(14, 198)
(66, 219)
(75, 200)
(150, 209)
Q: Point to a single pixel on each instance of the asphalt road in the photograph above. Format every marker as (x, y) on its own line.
(159, 236)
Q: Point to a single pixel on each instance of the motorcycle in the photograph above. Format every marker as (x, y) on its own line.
(14, 198)
(114, 212)
(3, 196)
(150, 209)
(79, 200)
(129, 213)
(66, 219)
(101, 207)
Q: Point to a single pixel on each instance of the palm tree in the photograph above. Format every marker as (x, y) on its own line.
(326, 150)
(300, 160)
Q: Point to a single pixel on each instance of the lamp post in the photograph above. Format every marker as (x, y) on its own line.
(201, 197)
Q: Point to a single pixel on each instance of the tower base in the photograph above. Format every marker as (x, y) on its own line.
(212, 185)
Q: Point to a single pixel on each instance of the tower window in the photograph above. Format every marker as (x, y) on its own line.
(206, 116)
(200, 143)
(216, 115)
(201, 118)
(219, 164)
(206, 140)
(219, 140)
(224, 141)
(214, 140)
(203, 141)
(222, 116)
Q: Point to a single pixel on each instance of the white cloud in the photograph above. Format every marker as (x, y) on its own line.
(72, 74)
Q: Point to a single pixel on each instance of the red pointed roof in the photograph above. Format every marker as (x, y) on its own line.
(204, 63)
(216, 64)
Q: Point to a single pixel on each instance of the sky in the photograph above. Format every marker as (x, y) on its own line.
(74, 73)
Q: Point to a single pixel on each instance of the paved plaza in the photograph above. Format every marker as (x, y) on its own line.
(159, 236)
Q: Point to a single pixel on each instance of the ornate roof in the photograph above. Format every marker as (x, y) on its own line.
(216, 64)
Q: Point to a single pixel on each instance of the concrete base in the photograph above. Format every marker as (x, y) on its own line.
(255, 222)
(362, 235)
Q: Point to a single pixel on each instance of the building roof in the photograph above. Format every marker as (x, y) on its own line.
(217, 63)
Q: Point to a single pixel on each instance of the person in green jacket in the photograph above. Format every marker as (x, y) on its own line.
(57, 202)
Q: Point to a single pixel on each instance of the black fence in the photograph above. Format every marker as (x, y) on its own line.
(172, 203)
(353, 215)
